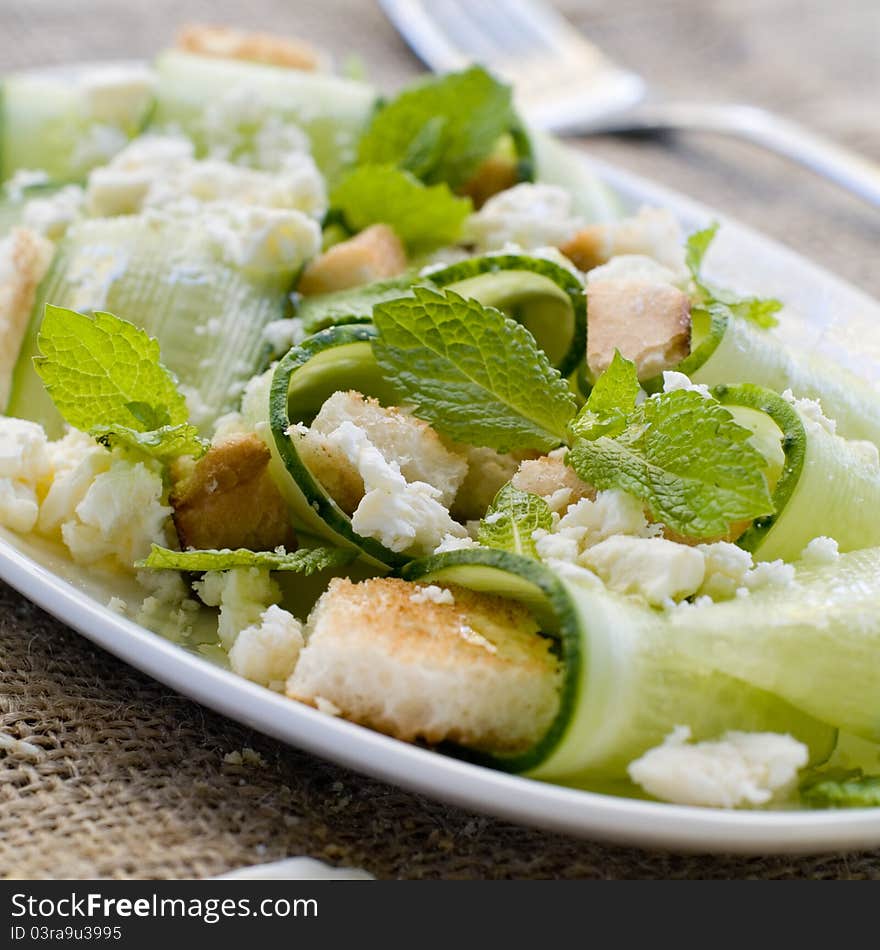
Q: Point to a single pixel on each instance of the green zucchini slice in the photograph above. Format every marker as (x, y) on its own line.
(625, 684)
(162, 275)
(301, 382)
(827, 486)
(545, 297)
(223, 105)
(731, 350)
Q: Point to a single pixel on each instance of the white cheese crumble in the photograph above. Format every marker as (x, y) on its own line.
(25, 468)
(404, 516)
(651, 232)
(23, 179)
(243, 595)
(528, 215)
(266, 652)
(726, 568)
(452, 542)
(118, 94)
(661, 571)
(821, 550)
(810, 411)
(282, 335)
(673, 381)
(53, 214)
(741, 768)
(432, 594)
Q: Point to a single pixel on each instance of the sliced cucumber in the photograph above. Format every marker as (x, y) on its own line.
(224, 105)
(827, 486)
(50, 122)
(303, 380)
(815, 643)
(731, 350)
(163, 275)
(625, 684)
(545, 297)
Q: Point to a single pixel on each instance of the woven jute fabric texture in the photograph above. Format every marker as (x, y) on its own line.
(124, 778)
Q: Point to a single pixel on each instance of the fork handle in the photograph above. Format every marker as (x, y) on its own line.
(780, 135)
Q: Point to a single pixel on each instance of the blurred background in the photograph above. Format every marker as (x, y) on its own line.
(815, 61)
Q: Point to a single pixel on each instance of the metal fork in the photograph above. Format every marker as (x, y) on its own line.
(565, 84)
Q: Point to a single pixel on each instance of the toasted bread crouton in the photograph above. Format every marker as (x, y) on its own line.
(399, 436)
(494, 174)
(653, 232)
(373, 254)
(470, 668)
(228, 43)
(553, 480)
(24, 259)
(488, 471)
(227, 499)
(650, 323)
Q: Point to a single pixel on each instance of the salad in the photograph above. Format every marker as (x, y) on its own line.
(387, 405)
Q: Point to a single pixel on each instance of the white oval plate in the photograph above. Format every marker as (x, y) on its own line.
(826, 315)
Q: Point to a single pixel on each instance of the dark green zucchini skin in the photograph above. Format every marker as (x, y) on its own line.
(322, 506)
(794, 445)
(568, 636)
(564, 279)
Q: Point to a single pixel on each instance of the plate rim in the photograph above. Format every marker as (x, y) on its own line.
(555, 808)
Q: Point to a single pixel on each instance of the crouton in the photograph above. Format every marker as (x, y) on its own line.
(399, 436)
(553, 480)
(495, 174)
(227, 499)
(487, 472)
(371, 255)
(24, 259)
(228, 43)
(650, 323)
(470, 668)
(653, 232)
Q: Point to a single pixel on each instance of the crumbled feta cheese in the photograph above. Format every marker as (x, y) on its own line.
(161, 172)
(432, 594)
(76, 462)
(636, 267)
(25, 467)
(651, 232)
(404, 516)
(769, 574)
(661, 571)
(726, 568)
(52, 215)
(529, 215)
(742, 768)
(673, 381)
(282, 335)
(452, 542)
(810, 411)
(118, 94)
(243, 595)
(266, 652)
(118, 606)
(263, 240)
(120, 516)
(612, 512)
(821, 550)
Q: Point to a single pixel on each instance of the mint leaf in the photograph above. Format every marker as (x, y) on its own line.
(354, 305)
(165, 443)
(756, 309)
(611, 400)
(510, 521)
(686, 459)
(840, 788)
(476, 375)
(304, 561)
(423, 217)
(105, 377)
(440, 129)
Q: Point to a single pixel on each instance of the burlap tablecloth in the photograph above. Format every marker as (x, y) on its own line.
(133, 780)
